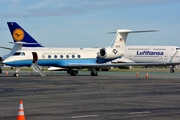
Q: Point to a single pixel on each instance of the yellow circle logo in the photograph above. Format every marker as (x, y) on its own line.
(18, 34)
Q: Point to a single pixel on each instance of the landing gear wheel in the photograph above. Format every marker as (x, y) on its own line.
(73, 73)
(94, 73)
(15, 74)
(68, 71)
(172, 70)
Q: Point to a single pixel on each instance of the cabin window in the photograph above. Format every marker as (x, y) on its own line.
(17, 53)
(49, 56)
(55, 56)
(22, 54)
(43, 56)
(61, 56)
(73, 56)
(79, 56)
(67, 56)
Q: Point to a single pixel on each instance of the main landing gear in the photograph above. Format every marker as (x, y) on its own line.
(94, 72)
(172, 70)
(16, 72)
(74, 72)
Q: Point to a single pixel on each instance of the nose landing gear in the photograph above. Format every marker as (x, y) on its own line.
(16, 72)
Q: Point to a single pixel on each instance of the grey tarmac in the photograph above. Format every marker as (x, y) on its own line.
(109, 96)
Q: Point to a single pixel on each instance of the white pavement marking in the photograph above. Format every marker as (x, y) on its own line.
(143, 112)
(84, 116)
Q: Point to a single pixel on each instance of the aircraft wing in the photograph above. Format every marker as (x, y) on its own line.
(119, 65)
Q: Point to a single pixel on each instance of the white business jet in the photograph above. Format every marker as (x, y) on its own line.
(72, 58)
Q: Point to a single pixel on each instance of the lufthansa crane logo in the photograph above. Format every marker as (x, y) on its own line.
(18, 34)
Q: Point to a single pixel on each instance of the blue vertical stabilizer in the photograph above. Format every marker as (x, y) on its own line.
(20, 35)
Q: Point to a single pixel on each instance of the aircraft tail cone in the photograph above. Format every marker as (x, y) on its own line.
(147, 76)
(21, 115)
(6, 73)
(137, 74)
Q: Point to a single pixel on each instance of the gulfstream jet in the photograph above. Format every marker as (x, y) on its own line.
(72, 59)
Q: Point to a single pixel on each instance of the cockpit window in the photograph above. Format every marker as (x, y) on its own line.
(22, 54)
(19, 53)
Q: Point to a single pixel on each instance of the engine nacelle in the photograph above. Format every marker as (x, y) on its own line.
(110, 53)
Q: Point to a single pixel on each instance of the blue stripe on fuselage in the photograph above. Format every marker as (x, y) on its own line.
(52, 62)
(56, 62)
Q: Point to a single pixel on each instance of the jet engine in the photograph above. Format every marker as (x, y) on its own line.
(110, 53)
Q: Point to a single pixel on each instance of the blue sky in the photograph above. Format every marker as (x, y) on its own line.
(85, 23)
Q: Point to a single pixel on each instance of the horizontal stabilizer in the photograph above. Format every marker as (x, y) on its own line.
(132, 31)
(24, 43)
(6, 48)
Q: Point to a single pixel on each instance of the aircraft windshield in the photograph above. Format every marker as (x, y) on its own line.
(19, 53)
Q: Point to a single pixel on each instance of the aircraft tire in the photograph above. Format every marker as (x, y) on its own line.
(73, 73)
(172, 70)
(15, 74)
(94, 74)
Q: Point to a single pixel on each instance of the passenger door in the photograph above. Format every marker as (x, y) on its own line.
(35, 57)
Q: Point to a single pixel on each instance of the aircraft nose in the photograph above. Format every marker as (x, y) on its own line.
(6, 61)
